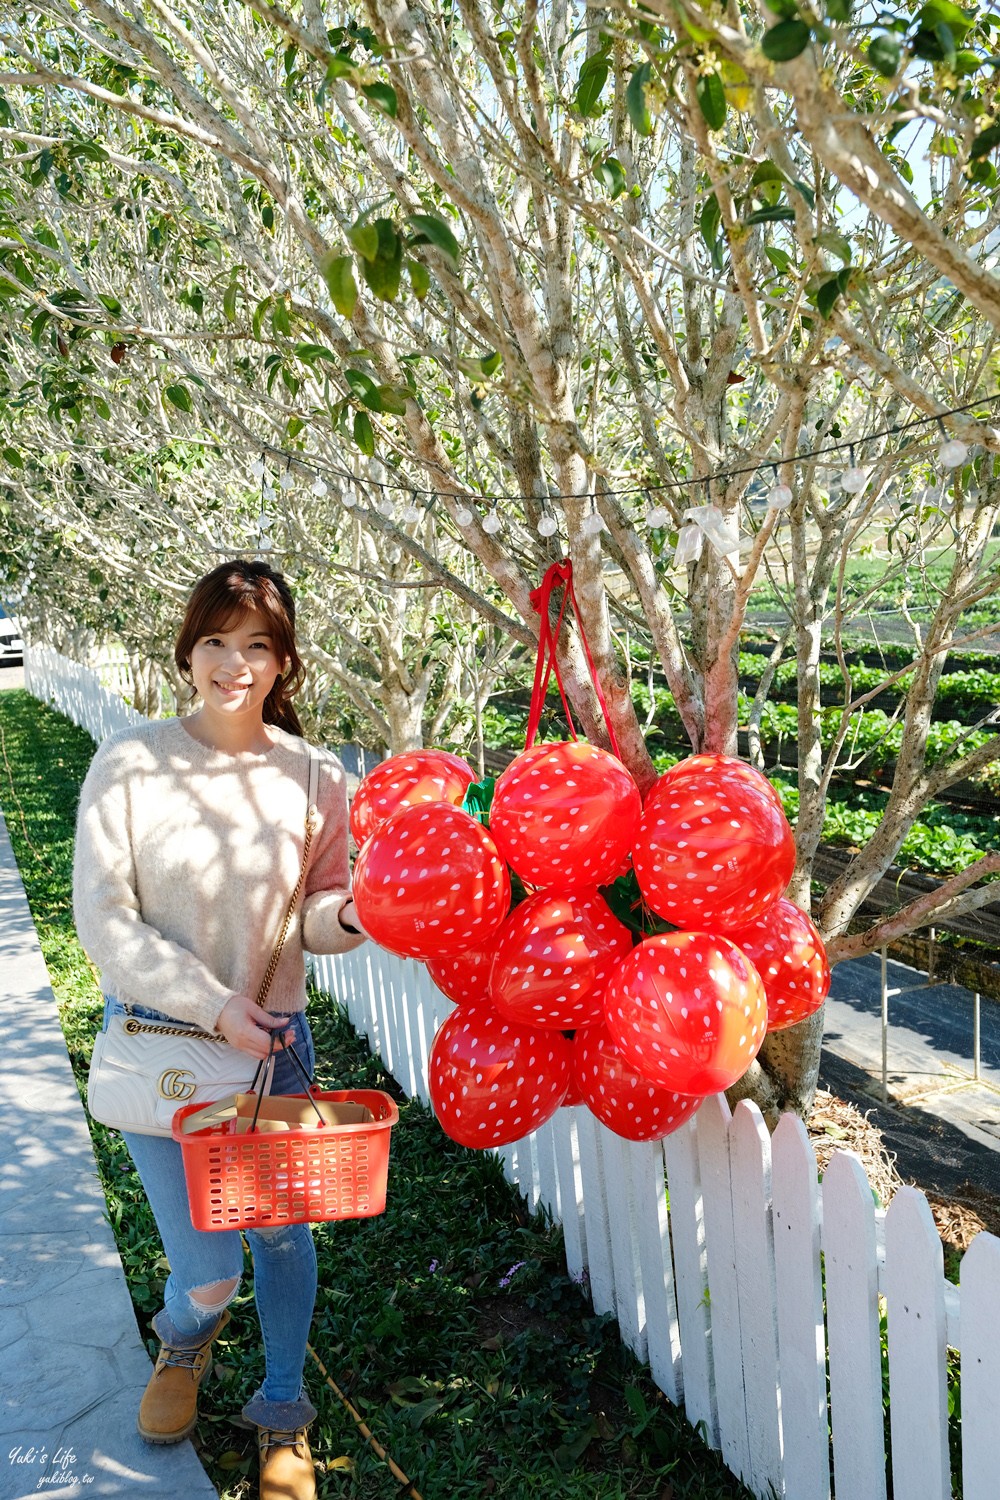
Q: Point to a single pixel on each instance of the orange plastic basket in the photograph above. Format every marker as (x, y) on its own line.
(260, 1180)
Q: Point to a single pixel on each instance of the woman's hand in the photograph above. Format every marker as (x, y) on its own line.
(247, 1027)
(348, 918)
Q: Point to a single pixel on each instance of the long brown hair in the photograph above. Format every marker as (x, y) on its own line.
(225, 597)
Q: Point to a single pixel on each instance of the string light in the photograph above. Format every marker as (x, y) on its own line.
(951, 454)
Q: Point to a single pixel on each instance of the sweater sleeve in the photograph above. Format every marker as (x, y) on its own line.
(136, 961)
(328, 883)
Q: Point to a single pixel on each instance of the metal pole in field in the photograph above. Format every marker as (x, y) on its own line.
(885, 1029)
(975, 1035)
(930, 956)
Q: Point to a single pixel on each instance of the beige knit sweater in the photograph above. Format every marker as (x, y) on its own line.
(186, 858)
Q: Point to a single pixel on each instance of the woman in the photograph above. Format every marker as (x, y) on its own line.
(189, 844)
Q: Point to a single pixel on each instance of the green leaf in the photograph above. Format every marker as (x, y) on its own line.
(711, 96)
(310, 353)
(229, 301)
(13, 458)
(294, 426)
(364, 388)
(38, 326)
(338, 273)
(635, 100)
(986, 141)
(942, 13)
(787, 9)
(490, 363)
(830, 292)
(257, 321)
(773, 215)
(280, 321)
(786, 40)
(593, 77)
(780, 259)
(710, 220)
(837, 244)
(383, 272)
(393, 400)
(420, 278)
(179, 396)
(384, 95)
(364, 436)
(102, 408)
(839, 10)
(341, 66)
(428, 229)
(612, 174)
(112, 304)
(364, 238)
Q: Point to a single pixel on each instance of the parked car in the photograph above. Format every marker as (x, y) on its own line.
(11, 644)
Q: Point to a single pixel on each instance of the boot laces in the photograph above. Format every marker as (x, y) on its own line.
(273, 1438)
(181, 1359)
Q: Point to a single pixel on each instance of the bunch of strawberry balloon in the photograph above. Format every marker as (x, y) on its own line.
(527, 910)
(555, 1001)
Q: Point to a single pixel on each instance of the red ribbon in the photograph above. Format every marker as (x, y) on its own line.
(559, 575)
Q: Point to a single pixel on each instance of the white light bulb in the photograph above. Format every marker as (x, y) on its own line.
(395, 555)
(268, 491)
(463, 517)
(853, 480)
(657, 516)
(257, 468)
(318, 487)
(952, 454)
(286, 480)
(592, 525)
(411, 514)
(491, 524)
(348, 499)
(263, 521)
(547, 526)
(385, 507)
(779, 497)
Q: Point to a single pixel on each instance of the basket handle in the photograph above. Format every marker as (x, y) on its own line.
(265, 1063)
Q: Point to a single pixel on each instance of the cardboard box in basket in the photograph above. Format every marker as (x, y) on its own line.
(277, 1112)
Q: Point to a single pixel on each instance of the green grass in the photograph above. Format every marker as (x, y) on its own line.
(450, 1321)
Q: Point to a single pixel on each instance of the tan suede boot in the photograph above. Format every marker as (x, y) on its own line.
(286, 1466)
(169, 1407)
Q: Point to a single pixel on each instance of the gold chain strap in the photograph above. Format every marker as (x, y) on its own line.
(265, 983)
(134, 1027)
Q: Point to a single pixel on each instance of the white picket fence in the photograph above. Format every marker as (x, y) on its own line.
(711, 1249)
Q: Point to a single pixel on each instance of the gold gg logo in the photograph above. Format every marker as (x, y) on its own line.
(172, 1085)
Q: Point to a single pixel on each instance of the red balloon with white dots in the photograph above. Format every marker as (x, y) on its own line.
(430, 882)
(554, 956)
(718, 768)
(464, 976)
(788, 954)
(565, 815)
(714, 850)
(492, 1082)
(688, 1010)
(418, 776)
(622, 1097)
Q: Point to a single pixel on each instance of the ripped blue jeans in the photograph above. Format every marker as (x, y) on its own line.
(284, 1260)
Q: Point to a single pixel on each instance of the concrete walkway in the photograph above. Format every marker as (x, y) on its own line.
(72, 1365)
